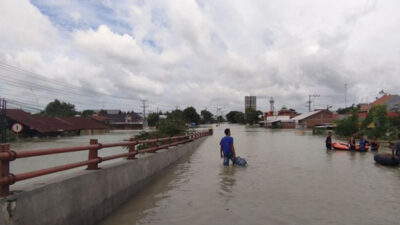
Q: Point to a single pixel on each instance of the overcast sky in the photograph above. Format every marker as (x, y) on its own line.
(204, 53)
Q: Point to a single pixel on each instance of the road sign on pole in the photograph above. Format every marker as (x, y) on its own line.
(17, 128)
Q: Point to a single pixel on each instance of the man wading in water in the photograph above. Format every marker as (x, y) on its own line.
(227, 150)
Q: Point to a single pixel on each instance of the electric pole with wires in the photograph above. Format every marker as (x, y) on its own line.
(144, 112)
(3, 120)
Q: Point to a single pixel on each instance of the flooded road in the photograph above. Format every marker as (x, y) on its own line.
(291, 179)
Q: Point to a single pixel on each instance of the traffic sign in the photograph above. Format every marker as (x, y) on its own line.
(17, 128)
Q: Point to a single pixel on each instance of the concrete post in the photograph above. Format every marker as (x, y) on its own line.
(132, 148)
(93, 155)
(4, 170)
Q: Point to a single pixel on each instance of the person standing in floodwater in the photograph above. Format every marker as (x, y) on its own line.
(396, 149)
(363, 143)
(374, 144)
(227, 150)
(352, 142)
(328, 141)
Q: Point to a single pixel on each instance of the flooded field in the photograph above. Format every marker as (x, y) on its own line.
(291, 179)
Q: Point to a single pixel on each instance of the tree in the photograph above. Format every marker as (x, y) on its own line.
(190, 115)
(349, 125)
(57, 108)
(206, 116)
(152, 119)
(239, 117)
(348, 109)
(175, 114)
(87, 113)
(171, 126)
(251, 116)
(231, 116)
(378, 117)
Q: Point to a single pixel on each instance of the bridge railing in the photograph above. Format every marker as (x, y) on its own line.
(7, 155)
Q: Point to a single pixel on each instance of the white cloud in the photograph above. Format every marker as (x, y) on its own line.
(109, 45)
(203, 53)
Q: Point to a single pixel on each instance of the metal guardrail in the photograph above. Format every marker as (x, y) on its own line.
(7, 155)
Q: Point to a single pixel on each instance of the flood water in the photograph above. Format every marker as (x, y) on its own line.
(290, 179)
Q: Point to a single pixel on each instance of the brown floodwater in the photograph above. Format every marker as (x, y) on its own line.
(290, 179)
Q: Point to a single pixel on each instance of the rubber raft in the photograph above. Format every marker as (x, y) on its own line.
(346, 147)
(386, 160)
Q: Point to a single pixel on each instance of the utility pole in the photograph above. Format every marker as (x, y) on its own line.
(144, 112)
(3, 111)
(309, 101)
(345, 95)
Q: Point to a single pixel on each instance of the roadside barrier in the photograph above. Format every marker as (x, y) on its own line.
(7, 155)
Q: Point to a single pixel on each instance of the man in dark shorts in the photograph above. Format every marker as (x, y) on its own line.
(227, 150)
(328, 141)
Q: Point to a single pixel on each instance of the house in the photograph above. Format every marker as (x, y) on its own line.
(281, 119)
(314, 118)
(392, 103)
(125, 121)
(280, 122)
(36, 125)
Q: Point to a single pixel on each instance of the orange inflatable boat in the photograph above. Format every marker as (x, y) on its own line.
(346, 147)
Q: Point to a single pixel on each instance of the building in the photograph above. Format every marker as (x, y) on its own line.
(392, 103)
(125, 121)
(250, 102)
(280, 119)
(312, 119)
(36, 125)
(280, 122)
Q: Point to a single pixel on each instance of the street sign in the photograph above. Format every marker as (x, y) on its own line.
(17, 128)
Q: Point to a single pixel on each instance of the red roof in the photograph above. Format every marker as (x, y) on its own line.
(99, 118)
(393, 114)
(52, 124)
(382, 100)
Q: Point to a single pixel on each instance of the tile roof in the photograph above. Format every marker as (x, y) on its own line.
(52, 124)
(382, 100)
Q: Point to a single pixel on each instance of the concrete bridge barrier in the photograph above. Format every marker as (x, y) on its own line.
(88, 196)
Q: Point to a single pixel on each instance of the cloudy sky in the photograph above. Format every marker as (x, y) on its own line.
(204, 53)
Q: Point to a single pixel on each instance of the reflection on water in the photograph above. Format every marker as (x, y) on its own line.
(228, 180)
(291, 179)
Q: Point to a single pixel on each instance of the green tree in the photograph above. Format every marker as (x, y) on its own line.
(378, 116)
(190, 115)
(349, 125)
(152, 119)
(175, 114)
(171, 126)
(87, 113)
(348, 109)
(207, 116)
(57, 108)
(231, 116)
(251, 116)
(239, 117)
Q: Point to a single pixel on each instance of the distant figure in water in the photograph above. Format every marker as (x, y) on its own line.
(352, 142)
(227, 150)
(328, 141)
(374, 144)
(396, 150)
(363, 143)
